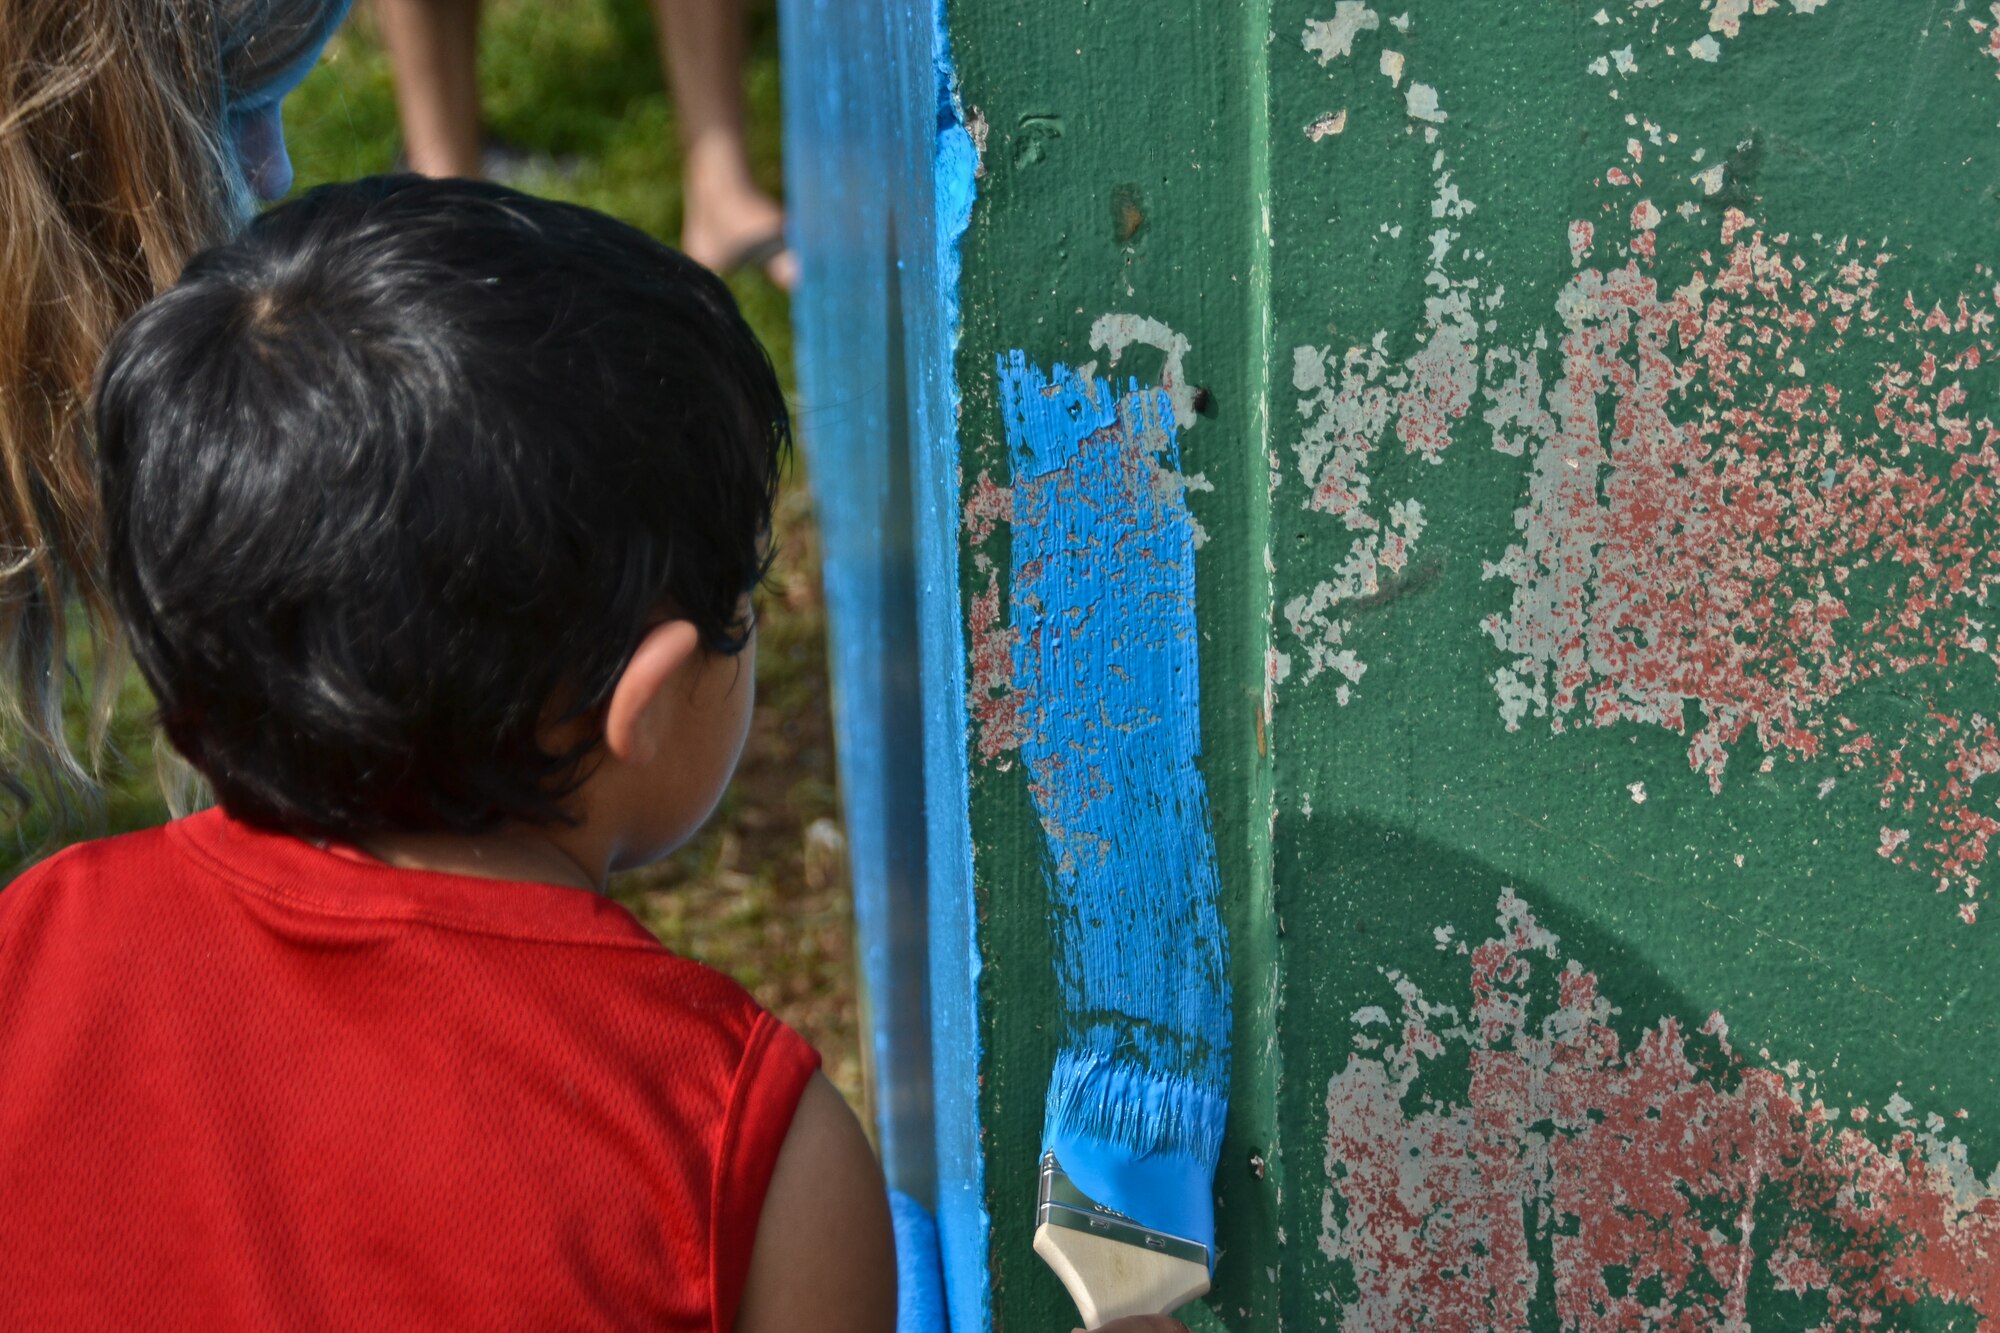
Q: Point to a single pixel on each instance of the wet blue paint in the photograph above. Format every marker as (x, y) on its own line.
(859, 357)
(1102, 598)
(919, 1277)
(964, 1229)
(879, 176)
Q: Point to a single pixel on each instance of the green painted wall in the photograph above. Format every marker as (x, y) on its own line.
(1598, 664)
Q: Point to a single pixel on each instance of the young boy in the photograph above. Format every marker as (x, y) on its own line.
(433, 511)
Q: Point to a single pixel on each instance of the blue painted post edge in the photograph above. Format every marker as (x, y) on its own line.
(869, 89)
(852, 312)
(963, 1226)
(919, 1275)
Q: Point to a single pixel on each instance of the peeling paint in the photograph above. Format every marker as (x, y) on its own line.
(1727, 16)
(1112, 334)
(1352, 399)
(1711, 522)
(1510, 1150)
(1331, 39)
(1991, 31)
(994, 704)
(1422, 102)
(1703, 553)
(1580, 236)
(987, 505)
(976, 129)
(1333, 122)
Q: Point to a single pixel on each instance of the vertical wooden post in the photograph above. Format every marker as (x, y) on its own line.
(1588, 413)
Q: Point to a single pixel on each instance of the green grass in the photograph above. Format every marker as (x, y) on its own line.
(570, 78)
(762, 892)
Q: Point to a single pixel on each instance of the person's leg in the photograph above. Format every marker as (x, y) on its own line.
(433, 47)
(724, 213)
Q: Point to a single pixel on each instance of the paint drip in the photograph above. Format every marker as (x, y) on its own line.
(1106, 710)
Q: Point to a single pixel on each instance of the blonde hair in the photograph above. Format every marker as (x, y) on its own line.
(113, 172)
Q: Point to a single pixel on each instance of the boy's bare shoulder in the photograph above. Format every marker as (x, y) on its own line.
(825, 1256)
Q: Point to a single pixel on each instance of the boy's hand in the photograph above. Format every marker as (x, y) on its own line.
(1141, 1323)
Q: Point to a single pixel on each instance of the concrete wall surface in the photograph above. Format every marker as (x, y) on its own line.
(1584, 412)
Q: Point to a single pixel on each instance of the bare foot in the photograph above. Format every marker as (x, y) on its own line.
(727, 220)
(726, 233)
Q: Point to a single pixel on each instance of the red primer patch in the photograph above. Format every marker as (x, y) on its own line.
(994, 703)
(1580, 235)
(1711, 522)
(1665, 1181)
(989, 505)
(1991, 30)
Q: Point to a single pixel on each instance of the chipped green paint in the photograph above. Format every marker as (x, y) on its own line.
(1587, 410)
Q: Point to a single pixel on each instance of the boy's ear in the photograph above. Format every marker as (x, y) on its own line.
(667, 647)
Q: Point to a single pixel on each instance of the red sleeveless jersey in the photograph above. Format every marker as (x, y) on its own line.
(246, 1083)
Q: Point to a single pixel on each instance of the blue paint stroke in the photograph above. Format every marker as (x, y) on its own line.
(1103, 601)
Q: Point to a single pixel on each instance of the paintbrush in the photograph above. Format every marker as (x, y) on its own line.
(1102, 590)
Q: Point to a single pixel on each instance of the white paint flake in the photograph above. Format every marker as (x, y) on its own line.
(1112, 334)
(1727, 17)
(1710, 181)
(975, 126)
(1600, 66)
(1422, 100)
(1330, 39)
(1402, 22)
(1357, 398)
(1624, 60)
(1581, 233)
(1333, 122)
(1392, 66)
(1705, 48)
(1449, 203)
(1638, 790)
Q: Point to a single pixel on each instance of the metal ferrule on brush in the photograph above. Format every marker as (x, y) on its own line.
(1062, 1204)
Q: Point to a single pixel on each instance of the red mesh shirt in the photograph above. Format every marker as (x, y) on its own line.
(249, 1084)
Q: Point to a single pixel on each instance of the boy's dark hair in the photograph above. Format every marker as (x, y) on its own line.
(402, 476)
